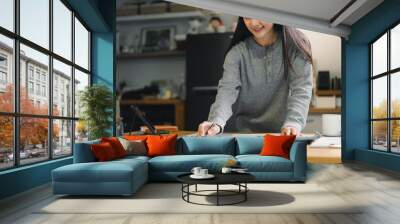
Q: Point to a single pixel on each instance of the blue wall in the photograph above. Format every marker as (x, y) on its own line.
(99, 15)
(356, 85)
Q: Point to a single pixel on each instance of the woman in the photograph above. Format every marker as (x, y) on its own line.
(267, 81)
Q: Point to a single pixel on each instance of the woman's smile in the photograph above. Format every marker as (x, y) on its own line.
(257, 29)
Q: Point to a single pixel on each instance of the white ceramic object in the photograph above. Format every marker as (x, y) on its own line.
(196, 171)
(208, 176)
(331, 124)
(226, 170)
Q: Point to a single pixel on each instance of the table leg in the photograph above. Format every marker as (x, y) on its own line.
(188, 190)
(245, 193)
(196, 187)
(217, 194)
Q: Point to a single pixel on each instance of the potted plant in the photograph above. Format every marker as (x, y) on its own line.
(96, 102)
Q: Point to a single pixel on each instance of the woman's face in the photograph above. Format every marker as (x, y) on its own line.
(258, 28)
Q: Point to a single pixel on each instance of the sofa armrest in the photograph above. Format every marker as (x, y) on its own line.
(83, 152)
(298, 155)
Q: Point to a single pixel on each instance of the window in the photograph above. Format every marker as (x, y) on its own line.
(62, 32)
(3, 61)
(35, 21)
(7, 14)
(3, 78)
(385, 94)
(30, 72)
(47, 77)
(6, 142)
(3, 72)
(30, 87)
(37, 89)
(6, 73)
(37, 75)
(81, 45)
(62, 74)
(44, 91)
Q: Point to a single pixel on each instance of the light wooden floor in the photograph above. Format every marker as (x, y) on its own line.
(379, 189)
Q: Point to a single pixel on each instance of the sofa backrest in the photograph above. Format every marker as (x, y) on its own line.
(249, 144)
(83, 152)
(206, 145)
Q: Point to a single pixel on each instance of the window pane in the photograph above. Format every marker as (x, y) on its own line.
(395, 94)
(81, 45)
(62, 29)
(33, 139)
(379, 97)
(35, 21)
(6, 142)
(62, 89)
(379, 135)
(395, 47)
(62, 138)
(81, 131)
(379, 55)
(34, 97)
(6, 75)
(395, 138)
(7, 14)
(81, 81)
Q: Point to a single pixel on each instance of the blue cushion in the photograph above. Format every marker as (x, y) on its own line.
(249, 144)
(133, 157)
(185, 163)
(257, 163)
(206, 145)
(111, 171)
(83, 152)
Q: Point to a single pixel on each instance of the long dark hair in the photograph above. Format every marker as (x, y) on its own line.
(292, 40)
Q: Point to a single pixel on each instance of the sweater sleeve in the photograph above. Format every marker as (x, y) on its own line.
(300, 91)
(228, 89)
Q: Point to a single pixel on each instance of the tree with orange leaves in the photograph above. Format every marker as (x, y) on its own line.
(33, 131)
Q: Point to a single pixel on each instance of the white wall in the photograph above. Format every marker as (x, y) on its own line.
(326, 50)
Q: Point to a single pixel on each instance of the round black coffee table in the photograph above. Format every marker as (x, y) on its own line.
(238, 179)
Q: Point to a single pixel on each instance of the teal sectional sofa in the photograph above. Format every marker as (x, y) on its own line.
(125, 176)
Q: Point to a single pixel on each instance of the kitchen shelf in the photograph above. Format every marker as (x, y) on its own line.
(151, 54)
(314, 110)
(329, 92)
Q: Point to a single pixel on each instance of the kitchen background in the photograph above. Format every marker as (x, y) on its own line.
(169, 61)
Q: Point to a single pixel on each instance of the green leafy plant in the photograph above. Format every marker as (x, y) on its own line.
(96, 102)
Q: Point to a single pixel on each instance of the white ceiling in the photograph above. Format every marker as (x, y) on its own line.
(321, 9)
(313, 15)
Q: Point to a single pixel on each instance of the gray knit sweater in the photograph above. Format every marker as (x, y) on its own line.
(254, 93)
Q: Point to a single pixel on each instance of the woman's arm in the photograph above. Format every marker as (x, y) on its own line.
(228, 89)
(300, 91)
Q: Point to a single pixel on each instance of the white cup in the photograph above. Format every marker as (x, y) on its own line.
(226, 170)
(203, 172)
(196, 171)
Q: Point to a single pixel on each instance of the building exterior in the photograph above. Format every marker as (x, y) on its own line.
(34, 79)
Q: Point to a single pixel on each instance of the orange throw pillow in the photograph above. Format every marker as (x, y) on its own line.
(135, 137)
(161, 145)
(116, 145)
(103, 152)
(275, 145)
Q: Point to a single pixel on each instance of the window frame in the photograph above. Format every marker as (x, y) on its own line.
(16, 114)
(388, 74)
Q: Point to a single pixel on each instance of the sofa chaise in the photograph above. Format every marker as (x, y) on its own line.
(125, 176)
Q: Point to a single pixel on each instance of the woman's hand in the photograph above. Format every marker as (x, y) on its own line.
(289, 131)
(208, 128)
